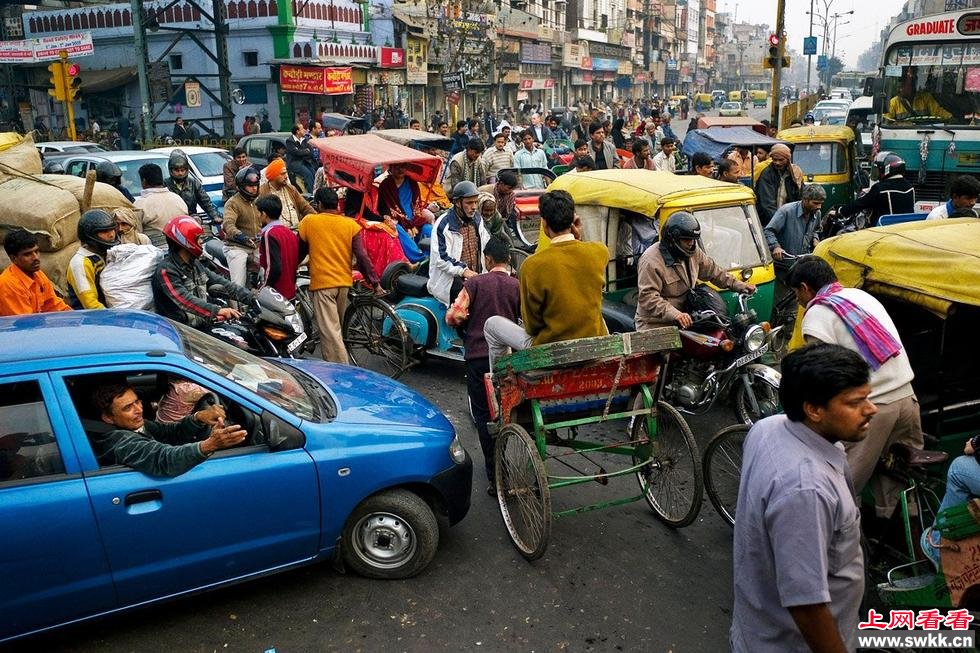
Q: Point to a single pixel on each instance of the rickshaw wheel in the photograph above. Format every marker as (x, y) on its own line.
(671, 480)
(722, 464)
(522, 491)
(376, 338)
(527, 229)
(766, 397)
(517, 258)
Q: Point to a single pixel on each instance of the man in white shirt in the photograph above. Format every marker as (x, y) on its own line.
(530, 156)
(963, 192)
(852, 318)
(158, 203)
(665, 157)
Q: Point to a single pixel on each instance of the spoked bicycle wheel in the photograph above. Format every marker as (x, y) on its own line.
(722, 465)
(376, 338)
(671, 480)
(522, 491)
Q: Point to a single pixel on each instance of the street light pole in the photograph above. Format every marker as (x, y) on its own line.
(809, 57)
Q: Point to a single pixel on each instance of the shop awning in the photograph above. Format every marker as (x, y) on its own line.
(94, 81)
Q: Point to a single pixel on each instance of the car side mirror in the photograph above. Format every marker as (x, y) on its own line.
(279, 435)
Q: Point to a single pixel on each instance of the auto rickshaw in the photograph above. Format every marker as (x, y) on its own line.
(759, 98)
(626, 208)
(704, 99)
(734, 96)
(718, 141)
(827, 154)
(927, 276)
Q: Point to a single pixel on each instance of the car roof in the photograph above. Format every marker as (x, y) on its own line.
(67, 143)
(119, 155)
(276, 135)
(188, 149)
(85, 333)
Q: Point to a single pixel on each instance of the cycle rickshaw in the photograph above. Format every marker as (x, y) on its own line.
(604, 389)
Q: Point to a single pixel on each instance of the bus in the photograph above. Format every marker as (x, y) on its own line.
(927, 100)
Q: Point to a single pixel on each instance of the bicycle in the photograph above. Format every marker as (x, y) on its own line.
(722, 466)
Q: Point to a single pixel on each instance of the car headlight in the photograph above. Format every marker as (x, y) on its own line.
(755, 337)
(456, 451)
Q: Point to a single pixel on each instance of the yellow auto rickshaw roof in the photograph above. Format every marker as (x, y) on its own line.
(645, 191)
(816, 133)
(929, 263)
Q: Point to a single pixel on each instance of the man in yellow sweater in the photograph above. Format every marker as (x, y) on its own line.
(561, 286)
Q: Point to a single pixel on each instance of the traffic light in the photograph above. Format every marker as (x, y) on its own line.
(57, 70)
(772, 59)
(73, 82)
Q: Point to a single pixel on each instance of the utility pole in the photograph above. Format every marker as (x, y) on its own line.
(777, 69)
(809, 57)
(142, 66)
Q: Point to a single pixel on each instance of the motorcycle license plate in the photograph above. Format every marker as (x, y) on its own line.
(294, 345)
(748, 357)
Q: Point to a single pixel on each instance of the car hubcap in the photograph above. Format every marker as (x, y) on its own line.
(384, 540)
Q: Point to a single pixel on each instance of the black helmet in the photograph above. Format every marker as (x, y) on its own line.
(464, 189)
(178, 160)
(54, 168)
(108, 173)
(91, 223)
(888, 164)
(681, 225)
(247, 176)
(705, 298)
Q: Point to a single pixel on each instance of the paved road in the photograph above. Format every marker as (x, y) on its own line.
(613, 580)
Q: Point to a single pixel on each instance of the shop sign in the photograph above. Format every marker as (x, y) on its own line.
(571, 55)
(625, 68)
(586, 63)
(392, 58)
(454, 81)
(641, 78)
(601, 63)
(581, 77)
(539, 53)
(511, 77)
(416, 64)
(672, 64)
(386, 77)
(607, 51)
(537, 84)
(314, 80)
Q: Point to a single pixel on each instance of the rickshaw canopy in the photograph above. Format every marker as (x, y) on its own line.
(415, 138)
(707, 122)
(816, 133)
(715, 141)
(341, 123)
(355, 161)
(933, 264)
(646, 191)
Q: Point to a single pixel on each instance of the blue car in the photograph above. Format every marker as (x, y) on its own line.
(339, 463)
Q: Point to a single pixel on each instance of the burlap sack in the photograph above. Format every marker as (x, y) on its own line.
(41, 208)
(53, 264)
(18, 155)
(104, 196)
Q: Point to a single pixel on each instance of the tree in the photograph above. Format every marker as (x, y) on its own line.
(834, 66)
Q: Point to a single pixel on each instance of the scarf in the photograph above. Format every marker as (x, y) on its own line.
(875, 344)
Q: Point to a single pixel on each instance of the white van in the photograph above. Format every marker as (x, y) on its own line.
(841, 92)
(861, 107)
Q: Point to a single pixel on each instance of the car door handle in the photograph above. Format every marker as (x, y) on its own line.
(143, 496)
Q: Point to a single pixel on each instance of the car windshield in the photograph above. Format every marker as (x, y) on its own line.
(732, 237)
(131, 172)
(210, 164)
(943, 80)
(820, 158)
(731, 105)
(251, 372)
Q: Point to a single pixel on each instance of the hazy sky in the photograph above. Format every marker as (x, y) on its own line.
(854, 32)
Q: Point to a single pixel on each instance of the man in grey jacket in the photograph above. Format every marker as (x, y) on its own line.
(154, 448)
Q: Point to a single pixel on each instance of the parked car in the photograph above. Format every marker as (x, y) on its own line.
(207, 165)
(339, 463)
(258, 147)
(129, 161)
(69, 146)
(730, 109)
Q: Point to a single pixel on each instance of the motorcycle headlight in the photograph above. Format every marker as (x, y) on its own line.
(754, 338)
(295, 322)
(456, 451)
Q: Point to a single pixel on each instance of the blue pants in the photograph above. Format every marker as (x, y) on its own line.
(962, 482)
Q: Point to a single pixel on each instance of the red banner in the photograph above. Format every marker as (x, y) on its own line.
(392, 58)
(314, 80)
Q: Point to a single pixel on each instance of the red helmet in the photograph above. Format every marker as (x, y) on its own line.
(186, 232)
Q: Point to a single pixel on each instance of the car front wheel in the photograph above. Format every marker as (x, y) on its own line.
(390, 535)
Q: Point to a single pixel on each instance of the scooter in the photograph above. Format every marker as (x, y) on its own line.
(717, 357)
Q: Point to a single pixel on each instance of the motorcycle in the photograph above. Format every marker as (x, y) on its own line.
(271, 326)
(717, 358)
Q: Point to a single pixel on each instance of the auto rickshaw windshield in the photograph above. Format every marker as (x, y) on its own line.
(820, 158)
(732, 236)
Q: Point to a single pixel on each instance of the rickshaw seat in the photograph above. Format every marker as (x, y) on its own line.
(413, 285)
(918, 457)
(619, 318)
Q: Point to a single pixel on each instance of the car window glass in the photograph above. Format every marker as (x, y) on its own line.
(28, 448)
(256, 147)
(77, 168)
(210, 164)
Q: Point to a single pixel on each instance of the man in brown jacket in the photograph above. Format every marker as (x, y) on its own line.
(241, 225)
(294, 206)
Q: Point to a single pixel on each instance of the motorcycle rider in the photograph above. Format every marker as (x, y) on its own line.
(456, 250)
(892, 194)
(97, 233)
(181, 281)
(242, 225)
(188, 187)
(669, 271)
(109, 173)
